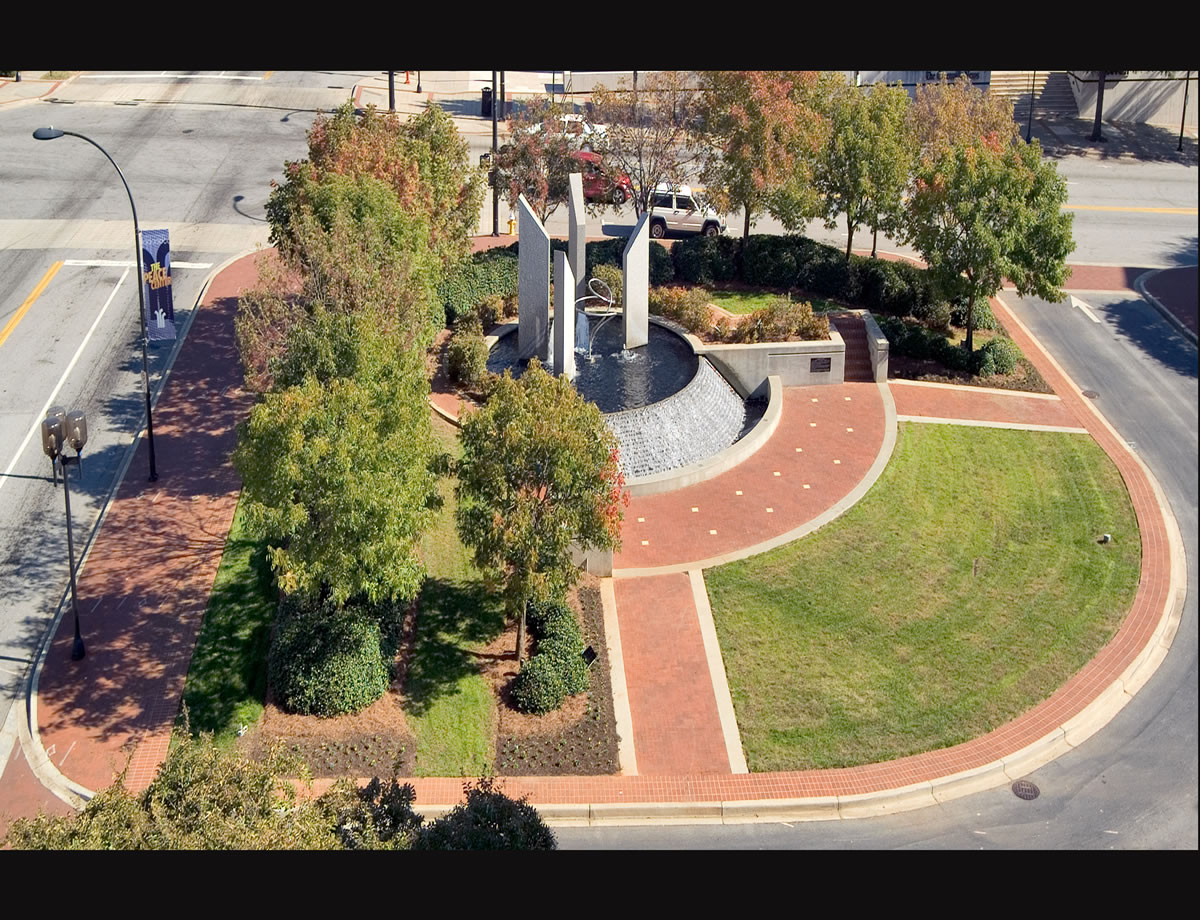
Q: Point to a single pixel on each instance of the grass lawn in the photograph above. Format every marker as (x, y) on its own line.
(749, 301)
(227, 678)
(962, 590)
(449, 704)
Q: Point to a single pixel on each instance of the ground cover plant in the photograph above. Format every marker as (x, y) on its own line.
(227, 677)
(966, 587)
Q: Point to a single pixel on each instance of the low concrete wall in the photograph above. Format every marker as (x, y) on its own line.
(794, 363)
(1138, 96)
(877, 346)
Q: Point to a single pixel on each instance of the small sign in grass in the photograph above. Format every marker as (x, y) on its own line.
(965, 588)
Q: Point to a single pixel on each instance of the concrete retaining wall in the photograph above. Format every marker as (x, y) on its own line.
(1139, 97)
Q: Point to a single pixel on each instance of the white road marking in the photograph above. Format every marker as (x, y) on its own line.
(1076, 302)
(128, 263)
(37, 423)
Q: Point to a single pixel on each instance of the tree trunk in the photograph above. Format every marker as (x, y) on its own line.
(849, 237)
(746, 227)
(970, 324)
(874, 242)
(1096, 135)
(521, 635)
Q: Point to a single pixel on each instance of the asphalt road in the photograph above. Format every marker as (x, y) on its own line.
(202, 170)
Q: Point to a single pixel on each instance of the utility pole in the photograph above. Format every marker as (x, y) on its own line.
(391, 91)
(503, 106)
(495, 149)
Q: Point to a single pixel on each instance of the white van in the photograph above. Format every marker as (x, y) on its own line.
(676, 209)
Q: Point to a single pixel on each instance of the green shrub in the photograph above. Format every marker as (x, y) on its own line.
(467, 353)
(770, 261)
(686, 306)
(780, 321)
(488, 820)
(539, 687)
(490, 310)
(706, 259)
(611, 276)
(984, 318)
(566, 656)
(996, 356)
(493, 271)
(548, 617)
(327, 662)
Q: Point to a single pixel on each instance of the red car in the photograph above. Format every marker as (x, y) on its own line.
(598, 183)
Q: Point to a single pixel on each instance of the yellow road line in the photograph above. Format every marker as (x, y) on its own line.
(37, 292)
(1105, 207)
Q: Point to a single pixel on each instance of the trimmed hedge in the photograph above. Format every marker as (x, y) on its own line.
(327, 662)
(798, 263)
(996, 356)
(493, 271)
(557, 670)
(467, 353)
(984, 317)
(539, 687)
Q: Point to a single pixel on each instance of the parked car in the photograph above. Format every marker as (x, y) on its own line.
(676, 209)
(574, 125)
(598, 183)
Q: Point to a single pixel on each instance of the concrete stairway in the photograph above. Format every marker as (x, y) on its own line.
(854, 333)
(1051, 91)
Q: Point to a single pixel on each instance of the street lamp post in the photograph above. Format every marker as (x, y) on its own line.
(1032, 90)
(59, 429)
(49, 134)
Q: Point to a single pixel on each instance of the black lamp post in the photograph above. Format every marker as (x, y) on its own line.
(49, 134)
(59, 429)
(495, 186)
(1032, 90)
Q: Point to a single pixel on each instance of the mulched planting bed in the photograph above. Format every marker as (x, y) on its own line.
(1025, 378)
(580, 738)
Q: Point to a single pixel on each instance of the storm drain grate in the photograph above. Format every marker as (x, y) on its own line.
(1024, 789)
(1091, 394)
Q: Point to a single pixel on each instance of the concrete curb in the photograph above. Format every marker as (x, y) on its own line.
(25, 100)
(1139, 284)
(620, 689)
(43, 768)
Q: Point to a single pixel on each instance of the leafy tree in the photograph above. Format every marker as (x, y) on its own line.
(980, 216)
(536, 162)
(944, 114)
(538, 472)
(203, 798)
(649, 131)
(424, 161)
(761, 131)
(350, 248)
(488, 820)
(867, 160)
(337, 471)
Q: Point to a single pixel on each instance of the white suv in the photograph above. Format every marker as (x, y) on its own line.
(676, 209)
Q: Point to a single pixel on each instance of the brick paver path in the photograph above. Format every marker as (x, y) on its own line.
(148, 577)
(676, 728)
(977, 404)
(828, 437)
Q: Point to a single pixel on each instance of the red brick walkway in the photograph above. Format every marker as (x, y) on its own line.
(977, 404)
(828, 437)
(676, 728)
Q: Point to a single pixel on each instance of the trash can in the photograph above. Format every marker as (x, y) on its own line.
(487, 102)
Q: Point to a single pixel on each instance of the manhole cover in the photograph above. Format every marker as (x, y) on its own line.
(1091, 394)
(1024, 789)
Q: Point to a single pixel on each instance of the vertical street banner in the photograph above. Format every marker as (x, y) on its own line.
(156, 279)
